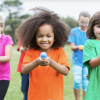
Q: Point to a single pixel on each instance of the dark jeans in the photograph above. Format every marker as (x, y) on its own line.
(3, 88)
(24, 85)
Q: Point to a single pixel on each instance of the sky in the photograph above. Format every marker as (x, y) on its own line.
(63, 8)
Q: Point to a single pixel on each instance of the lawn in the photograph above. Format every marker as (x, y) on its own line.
(14, 90)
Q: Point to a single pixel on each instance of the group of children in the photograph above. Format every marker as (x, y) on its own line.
(42, 79)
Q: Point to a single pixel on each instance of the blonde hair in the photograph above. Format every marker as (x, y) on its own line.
(2, 21)
(84, 14)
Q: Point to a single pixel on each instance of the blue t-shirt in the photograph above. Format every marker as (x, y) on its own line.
(79, 38)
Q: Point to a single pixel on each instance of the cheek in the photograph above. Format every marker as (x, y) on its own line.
(38, 39)
(81, 25)
(97, 31)
(52, 40)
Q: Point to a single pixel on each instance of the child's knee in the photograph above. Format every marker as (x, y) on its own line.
(85, 83)
(84, 87)
(77, 82)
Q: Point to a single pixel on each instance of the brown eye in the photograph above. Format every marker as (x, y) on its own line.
(39, 36)
(48, 36)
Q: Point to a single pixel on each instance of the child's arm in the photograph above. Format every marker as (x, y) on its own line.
(74, 47)
(48, 61)
(8, 53)
(30, 66)
(94, 62)
(60, 68)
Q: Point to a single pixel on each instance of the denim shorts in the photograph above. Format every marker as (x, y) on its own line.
(24, 85)
(24, 82)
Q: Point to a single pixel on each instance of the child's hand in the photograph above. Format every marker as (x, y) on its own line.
(22, 49)
(81, 47)
(43, 62)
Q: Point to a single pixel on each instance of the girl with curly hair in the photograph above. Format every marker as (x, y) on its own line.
(44, 32)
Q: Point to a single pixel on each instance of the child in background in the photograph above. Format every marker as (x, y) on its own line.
(91, 58)
(77, 41)
(24, 78)
(45, 32)
(5, 56)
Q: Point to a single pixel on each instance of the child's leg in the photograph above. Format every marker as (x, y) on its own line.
(77, 76)
(3, 88)
(24, 85)
(77, 94)
(84, 80)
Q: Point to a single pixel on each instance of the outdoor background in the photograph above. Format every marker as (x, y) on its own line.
(17, 11)
(14, 91)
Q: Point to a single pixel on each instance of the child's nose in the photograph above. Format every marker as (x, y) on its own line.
(44, 39)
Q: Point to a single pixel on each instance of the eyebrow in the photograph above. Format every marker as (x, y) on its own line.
(41, 34)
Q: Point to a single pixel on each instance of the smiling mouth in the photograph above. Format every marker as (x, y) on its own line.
(44, 44)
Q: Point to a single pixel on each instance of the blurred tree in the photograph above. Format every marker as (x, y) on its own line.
(71, 22)
(13, 8)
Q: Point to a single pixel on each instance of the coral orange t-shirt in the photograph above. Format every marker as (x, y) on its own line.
(21, 56)
(45, 83)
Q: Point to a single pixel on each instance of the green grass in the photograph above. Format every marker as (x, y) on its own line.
(14, 90)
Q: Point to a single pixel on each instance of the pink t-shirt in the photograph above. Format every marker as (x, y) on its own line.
(5, 67)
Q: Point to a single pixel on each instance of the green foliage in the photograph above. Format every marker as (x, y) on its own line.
(14, 18)
(71, 22)
(11, 3)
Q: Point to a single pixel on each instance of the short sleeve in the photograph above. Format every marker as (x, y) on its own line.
(27, 58)
(71, 38)
(88, 52)
(63, 59)
(9, 40)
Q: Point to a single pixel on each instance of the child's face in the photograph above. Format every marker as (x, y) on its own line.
(97, 31)
(83, 23)
(45, 37)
